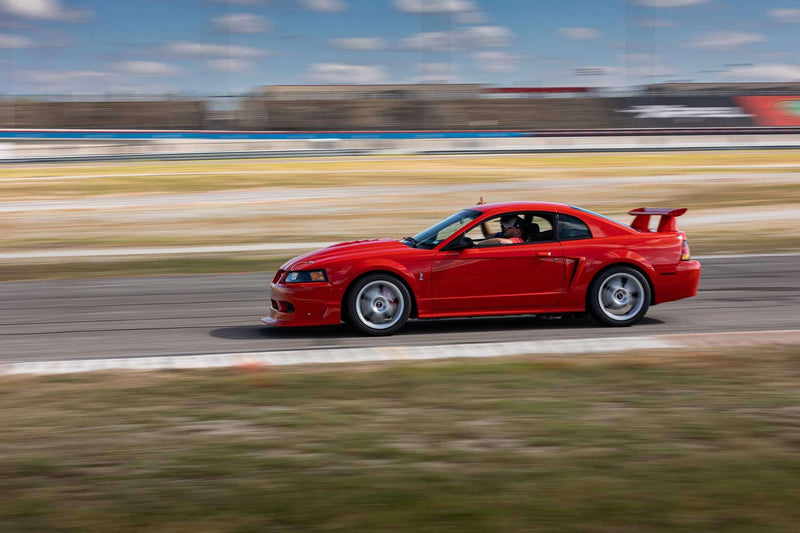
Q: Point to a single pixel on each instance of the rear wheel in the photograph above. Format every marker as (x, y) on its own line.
(379, 304)
(620, 296)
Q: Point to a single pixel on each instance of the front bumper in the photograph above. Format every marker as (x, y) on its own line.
(303, 304)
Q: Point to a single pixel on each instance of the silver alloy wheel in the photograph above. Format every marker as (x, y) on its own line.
(380, 304)
(621, 296)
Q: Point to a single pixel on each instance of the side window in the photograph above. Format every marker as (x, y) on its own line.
(539, 228)
(492, 227)
(571, 228)
(507, 225)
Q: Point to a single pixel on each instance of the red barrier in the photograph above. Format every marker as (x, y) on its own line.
(772, 110)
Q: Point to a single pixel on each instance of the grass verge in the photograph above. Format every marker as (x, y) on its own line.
(26, 271)
(205, 176)
(684, 442)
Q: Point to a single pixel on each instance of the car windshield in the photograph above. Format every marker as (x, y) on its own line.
(442, 230)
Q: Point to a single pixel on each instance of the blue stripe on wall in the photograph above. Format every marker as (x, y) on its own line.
(123, 135)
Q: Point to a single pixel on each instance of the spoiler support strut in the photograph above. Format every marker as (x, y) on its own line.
(667, 223)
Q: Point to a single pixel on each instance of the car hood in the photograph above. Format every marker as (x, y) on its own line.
(345, 250)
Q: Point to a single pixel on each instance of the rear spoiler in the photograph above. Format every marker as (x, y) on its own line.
(668, 216)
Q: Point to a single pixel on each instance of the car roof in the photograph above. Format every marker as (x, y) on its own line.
(600, 224)
(502, 207)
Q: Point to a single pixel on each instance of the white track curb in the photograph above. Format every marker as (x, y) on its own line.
(343, 355)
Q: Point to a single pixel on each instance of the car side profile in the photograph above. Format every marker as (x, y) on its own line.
(565, 260)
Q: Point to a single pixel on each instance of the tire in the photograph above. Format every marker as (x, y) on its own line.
(378, 304)
(619, 297)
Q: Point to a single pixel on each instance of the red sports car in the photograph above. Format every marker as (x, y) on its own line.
(493, 259)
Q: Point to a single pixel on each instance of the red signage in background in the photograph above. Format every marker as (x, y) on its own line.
(772, 110)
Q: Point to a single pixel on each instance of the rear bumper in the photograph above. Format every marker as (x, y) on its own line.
(303, 304)
(683, 283)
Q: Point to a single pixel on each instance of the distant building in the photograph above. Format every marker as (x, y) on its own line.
(538, 92)
(734, 89)
(422, 91)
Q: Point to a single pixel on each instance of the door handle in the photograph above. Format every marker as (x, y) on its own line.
(544, 254)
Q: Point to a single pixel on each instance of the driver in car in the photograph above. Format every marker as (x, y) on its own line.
(511, 232)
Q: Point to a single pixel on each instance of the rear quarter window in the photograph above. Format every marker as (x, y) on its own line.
(571, 228)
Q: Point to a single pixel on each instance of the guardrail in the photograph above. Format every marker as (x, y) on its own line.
(89, 135)
(55, 146)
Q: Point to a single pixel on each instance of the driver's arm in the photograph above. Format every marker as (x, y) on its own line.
(493, 241)
(485, 230)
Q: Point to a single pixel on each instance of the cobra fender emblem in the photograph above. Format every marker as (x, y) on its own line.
(420, 276)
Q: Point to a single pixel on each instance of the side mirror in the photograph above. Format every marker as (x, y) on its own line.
(460, 243)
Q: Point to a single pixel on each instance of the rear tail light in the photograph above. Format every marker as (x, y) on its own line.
(685, 253)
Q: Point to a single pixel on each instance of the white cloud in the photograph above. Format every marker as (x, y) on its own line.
(325, 6)
(601, 76)
(186, 48)
(433, 41)
(360, 43)
(580, 33)
(341, 73)
(62, 81)
(638, 58)
(41, 10)
(670, 3)
(766, 72)
(463, 39)
(647, 65)
(8, 40)
(434, 6)
(147, 68)
(598, 71)
(230, 65)
(241, 23)
(53, 76)
(785, 15)
(486, 36)
(436, 73)
(722, 41)
(471, 17)
(655, 23)
(85, 81)
(773, 55)
(496, 61)
(656, 70)
(435, 68)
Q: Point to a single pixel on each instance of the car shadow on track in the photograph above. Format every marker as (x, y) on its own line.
(426, 327)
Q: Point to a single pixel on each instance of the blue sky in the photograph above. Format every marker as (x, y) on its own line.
(216, 47)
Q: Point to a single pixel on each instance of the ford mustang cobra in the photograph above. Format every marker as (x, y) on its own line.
(546, 258)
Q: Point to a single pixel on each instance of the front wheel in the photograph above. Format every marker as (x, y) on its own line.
(379, 304)
(620, 296)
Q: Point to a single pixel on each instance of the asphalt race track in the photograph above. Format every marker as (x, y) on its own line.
(129, 317)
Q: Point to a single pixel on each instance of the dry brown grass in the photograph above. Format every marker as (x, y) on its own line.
(689, 441)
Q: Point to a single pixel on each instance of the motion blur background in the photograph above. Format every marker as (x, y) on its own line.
(144, 141)
(419, 65)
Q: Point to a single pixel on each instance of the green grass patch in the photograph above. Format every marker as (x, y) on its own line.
(685, 442)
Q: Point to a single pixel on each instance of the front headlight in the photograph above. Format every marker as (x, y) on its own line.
(306, 276)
